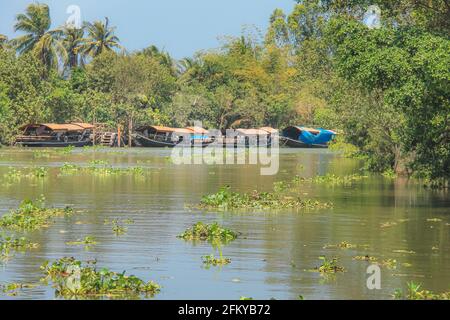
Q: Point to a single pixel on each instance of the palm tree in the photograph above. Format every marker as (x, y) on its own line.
(73, 42)
(38, 38)
(3, 41)
(100, 38)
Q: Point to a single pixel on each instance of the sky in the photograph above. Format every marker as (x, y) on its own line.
(181, 27)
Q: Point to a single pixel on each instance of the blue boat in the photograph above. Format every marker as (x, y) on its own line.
(302, 137)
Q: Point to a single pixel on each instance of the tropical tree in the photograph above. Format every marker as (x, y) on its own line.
(100, 38)
(3, 41)
(73, 42)
(38, 37)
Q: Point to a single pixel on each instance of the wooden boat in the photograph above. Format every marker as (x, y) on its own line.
(55, 135)
(165, 137)
(302, 137)
(245, 138)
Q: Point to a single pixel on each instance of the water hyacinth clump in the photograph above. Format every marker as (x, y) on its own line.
(333, 180)
(208, 232)
(10, 244)
(329, 266)
(415, 292)
(211, 260)
(87, 241)
(73, 278)
(226, 199)
(102, 167)
(32, 215)
(68, 169)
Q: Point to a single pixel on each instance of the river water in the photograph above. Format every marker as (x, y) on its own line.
(384, 218)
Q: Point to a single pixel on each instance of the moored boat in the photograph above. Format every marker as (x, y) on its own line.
(246, 138)
(302, 137)
(166, 137)
(55, 135)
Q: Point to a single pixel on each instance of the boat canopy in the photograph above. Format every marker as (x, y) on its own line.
(253, 132)
(309, 135)
(269, 130)
(160, 129)
(71, 127)
(198, 130)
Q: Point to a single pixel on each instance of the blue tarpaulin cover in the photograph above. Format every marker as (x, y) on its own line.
(323, 137)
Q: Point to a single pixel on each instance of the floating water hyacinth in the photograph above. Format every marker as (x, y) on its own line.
(32, 215)
(89, 281)
(212, 233)
(225, 199)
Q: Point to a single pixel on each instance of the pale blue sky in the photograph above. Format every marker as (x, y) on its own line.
(181, 27)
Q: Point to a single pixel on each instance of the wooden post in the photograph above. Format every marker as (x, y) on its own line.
(119, 136)
(130, 132)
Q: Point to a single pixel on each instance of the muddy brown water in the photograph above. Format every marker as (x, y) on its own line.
(274, 255)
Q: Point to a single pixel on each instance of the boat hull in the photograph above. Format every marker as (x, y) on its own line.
(290, 143)
(145, 142)
(53, 144)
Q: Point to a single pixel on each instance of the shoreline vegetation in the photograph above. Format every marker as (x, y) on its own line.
(383, 88)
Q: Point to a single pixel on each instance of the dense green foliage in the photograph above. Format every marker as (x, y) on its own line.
(385, 89)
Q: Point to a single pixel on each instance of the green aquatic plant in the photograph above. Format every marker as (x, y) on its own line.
(208, 232)
(39, 172)
(98, 163)
(365, 258)
(118, 229)
(388, 263)
(329, 266)
(342, 245)
(73, 278)
(13, 174)
(8, 245)
(415, 292)
(38, 154)
(68, 169)
(333, 180)
(87, 241)
(211, 260)
(102, 167)
(225, 199)
(11, 289)
(32, 215)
